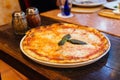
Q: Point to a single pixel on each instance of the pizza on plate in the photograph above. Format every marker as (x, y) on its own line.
(64, 43)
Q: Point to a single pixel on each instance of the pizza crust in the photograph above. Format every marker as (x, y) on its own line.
(41, 43)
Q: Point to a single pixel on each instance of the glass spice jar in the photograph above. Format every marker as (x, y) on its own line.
(33, 17)
(19, 22)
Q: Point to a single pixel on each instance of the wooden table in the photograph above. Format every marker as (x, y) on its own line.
(9, 73)
(107, 68)
(108, 25)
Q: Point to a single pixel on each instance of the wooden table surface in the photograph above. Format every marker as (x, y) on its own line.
(107, 68)
(108, 25)
(9, 73)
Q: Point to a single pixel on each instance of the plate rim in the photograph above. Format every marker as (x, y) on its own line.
(114, 2)
(89, 5)
(69, 65)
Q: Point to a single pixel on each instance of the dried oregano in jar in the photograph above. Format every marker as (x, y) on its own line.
(33, 17)
(19, 23)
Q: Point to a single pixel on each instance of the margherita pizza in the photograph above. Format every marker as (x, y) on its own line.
(64, 43)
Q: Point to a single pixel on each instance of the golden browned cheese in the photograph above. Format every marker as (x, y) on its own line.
(42, 43)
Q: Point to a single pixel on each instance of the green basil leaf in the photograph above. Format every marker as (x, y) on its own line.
(64, 39)
(74, 41)
(62, 42)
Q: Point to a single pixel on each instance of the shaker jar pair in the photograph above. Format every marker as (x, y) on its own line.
(21, 22)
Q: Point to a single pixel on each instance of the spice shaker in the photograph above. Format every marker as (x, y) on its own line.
(19, 22)
(33, 17)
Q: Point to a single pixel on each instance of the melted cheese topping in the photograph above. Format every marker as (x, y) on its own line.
(44, 42)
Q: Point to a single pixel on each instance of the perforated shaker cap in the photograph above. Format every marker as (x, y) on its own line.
(18, 14)
(32, 10)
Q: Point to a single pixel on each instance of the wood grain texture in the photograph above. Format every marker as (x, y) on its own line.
(104, 24)
(107, 68)
(86, 10)
(109, 14)
(9, 73)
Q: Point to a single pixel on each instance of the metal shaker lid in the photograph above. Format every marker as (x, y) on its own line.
(32, 10)
(18, 14)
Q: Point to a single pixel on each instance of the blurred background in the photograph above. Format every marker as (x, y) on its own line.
(42, 5)
(7, 7)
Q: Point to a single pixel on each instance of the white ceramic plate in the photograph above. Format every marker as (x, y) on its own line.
(111, 5)
(72, 65)
(88, 3)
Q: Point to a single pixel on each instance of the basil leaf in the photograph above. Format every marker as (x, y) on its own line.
(74, 41)
(64, 39)
(62, 42)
